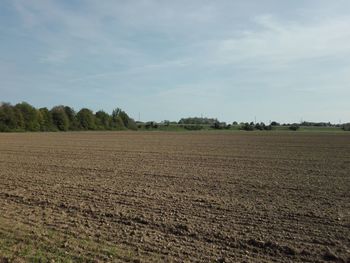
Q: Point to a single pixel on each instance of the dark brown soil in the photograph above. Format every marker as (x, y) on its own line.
(175, 197)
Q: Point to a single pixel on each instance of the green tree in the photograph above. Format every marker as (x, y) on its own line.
(19, 119)
(346, 127)
(9, 118)
(117, 121)
(60, 118)
(294, 127)
(30, 116)
(73, 124)
(46, 120)
(247, 126)
(86, 119)
(103, 120)
(132, 124)
(128, 122)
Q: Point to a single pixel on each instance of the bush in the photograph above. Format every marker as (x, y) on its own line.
(59, 118)
(11, 118)
(103, 120)
(275, 123)
(346, 127)
(268, 128)
(193, 127)
(294, 127)
(24, 117)
(46, 121)
(127, 122)
(151, 125)
(30, 116)
(247, 127)
(86, 119)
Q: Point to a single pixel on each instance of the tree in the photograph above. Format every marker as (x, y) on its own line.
(46, 121)
(119, 119)
(248, 127)
(294, 127)
(346, 127)
(132, 124)
(60, 118)
(8, 118)
(103, 120)
(73, 125)
(19, 119)
(127, 121)
(86, 119)
(198, 120)
(30, 116)
(24, 117)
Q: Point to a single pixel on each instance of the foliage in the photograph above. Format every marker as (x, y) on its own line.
(248, 126)
(46, 120)
(127, 122)
(86, 119)
(151, 125)
(197, 120)
(59, 118)
(346, 127)
(193, 127)
(103, 120)
(317, 124)
(24, 117)
(30, 116)
(294, 127)
(71, 115)
(262, 127)
(117, 121)
(10, 118)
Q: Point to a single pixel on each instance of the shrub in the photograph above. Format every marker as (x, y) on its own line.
(86, 119)
(247, 127)
(30, 116)
(193, 127)
(294, 127)
(274, 123)
(346, 127)
(59, 118)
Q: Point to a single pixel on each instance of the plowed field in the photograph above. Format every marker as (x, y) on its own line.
(175, 197)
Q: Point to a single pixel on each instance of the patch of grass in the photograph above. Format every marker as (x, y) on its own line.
(43, 245)
(320, 129)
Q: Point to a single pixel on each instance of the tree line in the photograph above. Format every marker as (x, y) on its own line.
(25, 117)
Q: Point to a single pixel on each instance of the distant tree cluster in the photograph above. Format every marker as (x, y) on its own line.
(346, 127)
(198, 120)
(255, 126)
(24, 117)
(317, 124)
(294, 127)
(197, 123)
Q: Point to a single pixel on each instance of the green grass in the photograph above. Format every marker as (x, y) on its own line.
(320, 129)
(23, 242)
(180, 128)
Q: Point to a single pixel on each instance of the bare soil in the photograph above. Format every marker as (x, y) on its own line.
(175, 197)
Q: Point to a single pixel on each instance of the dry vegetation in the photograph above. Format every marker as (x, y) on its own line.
(175, 197)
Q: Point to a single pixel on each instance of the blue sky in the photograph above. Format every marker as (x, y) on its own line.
(234, 60)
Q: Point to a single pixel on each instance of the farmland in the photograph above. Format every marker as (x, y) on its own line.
(175, 196)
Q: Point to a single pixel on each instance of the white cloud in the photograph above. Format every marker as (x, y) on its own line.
(278, 44)
(203, 49)
(55, 57)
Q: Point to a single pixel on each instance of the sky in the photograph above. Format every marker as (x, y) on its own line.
(239, 60)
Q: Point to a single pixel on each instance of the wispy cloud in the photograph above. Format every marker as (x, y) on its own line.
(203, 51)
(278, 43)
